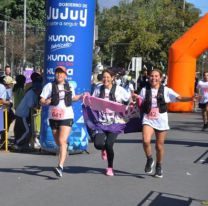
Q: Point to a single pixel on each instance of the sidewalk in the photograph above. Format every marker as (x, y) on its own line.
(28, 180)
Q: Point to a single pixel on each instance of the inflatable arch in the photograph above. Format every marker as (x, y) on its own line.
(183, 54)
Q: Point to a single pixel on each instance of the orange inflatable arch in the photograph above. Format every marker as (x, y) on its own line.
(183, 54)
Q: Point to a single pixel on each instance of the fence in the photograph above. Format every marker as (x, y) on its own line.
(11, 46)
(4, 128)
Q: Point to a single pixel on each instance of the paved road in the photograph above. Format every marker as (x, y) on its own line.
(27, 179)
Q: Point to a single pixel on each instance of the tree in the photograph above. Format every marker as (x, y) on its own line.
(14, 9)
(143, 28)
(12, 12)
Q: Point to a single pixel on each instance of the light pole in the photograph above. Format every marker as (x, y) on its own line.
(5, 43)
(24, 33)
(203, 63)
(184, 7)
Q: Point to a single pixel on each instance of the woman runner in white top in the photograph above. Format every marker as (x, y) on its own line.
(202, 88)
(156, 121)
(104, 140)
(60, 116)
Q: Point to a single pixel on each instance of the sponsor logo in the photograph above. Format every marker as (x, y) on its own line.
(67, 41)
(61, 38)
(70, 15)
(60, 58)
(50, 71)
(55, 47)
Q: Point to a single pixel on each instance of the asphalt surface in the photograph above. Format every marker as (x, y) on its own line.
(28, 179)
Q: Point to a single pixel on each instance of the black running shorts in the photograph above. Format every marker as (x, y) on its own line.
(55, 124)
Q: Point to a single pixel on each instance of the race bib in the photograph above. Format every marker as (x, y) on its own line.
(153, 114)
(57, 113)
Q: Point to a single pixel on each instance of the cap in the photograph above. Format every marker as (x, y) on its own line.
(61, 68)
(9, 80)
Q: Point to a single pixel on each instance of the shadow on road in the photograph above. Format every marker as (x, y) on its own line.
(30, 170)
(157, 198)
(92, 170)
(39, 170)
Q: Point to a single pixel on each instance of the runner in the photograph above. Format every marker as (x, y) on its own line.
(60, 95)
(104, 140)
(155, 118)
(202, 88)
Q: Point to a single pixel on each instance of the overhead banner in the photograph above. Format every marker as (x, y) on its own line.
(69, 43)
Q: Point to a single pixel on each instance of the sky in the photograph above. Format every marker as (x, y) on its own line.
(201, 4)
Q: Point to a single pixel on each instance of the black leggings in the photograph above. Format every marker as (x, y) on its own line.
(106, 141)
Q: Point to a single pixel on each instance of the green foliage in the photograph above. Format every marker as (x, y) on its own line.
(14, 9)
(13, 12)
(143, 28)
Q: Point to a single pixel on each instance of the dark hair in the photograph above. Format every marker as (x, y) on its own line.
(2, 79)
(7, 66)
(109, 71)
(36, 77)
(205, 72)
(156, 70)
(99, 77)
(20, 79)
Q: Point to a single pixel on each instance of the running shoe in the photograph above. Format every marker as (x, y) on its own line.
(37, 144)
(58, 171)
(104, 155)
(158, 171)
(109, 171)
(149, 166)
(204, 127)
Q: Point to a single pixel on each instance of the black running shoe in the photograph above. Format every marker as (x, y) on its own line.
(158, 171)
(204, 127)
(149, 166)
(58, 171)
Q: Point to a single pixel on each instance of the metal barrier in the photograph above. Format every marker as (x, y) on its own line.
(4, 128)
(35, 126)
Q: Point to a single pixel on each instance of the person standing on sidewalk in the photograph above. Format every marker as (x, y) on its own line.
(155, 118)
(22, 127)
(202, 88)
(59, 95)
(104, 140)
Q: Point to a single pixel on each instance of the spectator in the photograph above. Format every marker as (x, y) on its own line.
(7, 70)
(127, 85)
(9, 83)
(22, 128)
(18, 90)
(96, 84)
(143, 80)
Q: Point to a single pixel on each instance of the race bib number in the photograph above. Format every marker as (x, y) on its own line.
(153, 114)
(57, 113)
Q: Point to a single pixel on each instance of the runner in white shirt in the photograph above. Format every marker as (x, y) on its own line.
(202, 88)
(155, 118)
(104, 140)
(61, 114)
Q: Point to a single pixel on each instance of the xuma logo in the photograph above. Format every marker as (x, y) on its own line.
(61, 38)
(50, 71)
(60, 58)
